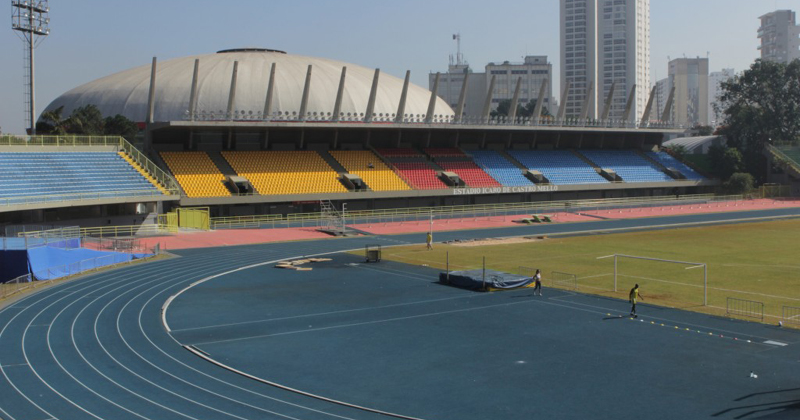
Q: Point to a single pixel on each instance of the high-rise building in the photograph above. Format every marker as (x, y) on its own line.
(689, 77)
(780, 36)
(605, 43)
(530, 72)
(715, 79)
(663, 88)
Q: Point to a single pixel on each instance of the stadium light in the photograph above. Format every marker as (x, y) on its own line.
(30, 18)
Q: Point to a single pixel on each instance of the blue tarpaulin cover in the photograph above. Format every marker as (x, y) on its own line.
(473, 279)
(47, 262)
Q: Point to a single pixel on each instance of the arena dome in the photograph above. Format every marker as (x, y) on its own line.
(126, 92)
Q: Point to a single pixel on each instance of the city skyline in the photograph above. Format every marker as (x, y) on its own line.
(415, 37)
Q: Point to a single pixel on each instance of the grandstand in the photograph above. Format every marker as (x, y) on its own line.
(560, 167)
(285, 172)
(368, 166)
(197, 174)
(628, 164)
(500, 168)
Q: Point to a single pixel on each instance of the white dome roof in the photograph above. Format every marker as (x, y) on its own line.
(126, 92)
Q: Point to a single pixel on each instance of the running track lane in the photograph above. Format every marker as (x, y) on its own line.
(95, 348)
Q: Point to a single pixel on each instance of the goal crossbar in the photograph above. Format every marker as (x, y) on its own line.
(690, 264)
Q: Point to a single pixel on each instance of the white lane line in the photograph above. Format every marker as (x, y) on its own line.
(776, 343)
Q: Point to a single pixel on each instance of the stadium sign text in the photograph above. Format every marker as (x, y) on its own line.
(505, 190)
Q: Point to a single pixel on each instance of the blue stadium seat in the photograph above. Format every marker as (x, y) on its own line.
(560, 167)
(628, 165)
(500, 168)
(670, 162)
(101, 174)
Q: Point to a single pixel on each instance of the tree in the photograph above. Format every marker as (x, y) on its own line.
(53, 122)
(725, 161)
(759, 106)
(679, 151)
(739, 183)
(87, 120)
(121, 126)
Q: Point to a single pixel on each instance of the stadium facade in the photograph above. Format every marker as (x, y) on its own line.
(239, 113)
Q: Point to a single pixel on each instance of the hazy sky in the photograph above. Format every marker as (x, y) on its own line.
(90, 39)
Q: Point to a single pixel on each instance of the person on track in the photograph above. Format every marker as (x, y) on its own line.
(429, 241)
(537, 282)
(634, 294)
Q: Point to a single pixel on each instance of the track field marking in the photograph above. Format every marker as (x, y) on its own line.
(776, 343)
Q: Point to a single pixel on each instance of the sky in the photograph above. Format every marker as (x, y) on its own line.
(90, 39)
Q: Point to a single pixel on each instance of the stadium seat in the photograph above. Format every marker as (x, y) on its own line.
(500, 168)
(419, 175)
(560, 167)
(69, 175)
(370, 168)
(667, 160)
(197, 174)
(469, 172)
(628, 165)
(286, 172)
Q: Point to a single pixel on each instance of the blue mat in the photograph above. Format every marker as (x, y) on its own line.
(46, 262)
(474, 280)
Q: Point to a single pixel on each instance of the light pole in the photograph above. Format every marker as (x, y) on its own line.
(30, 19)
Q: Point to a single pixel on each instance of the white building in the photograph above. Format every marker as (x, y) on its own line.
(780, 36)
(605, 43)
(689, 76)
(715, 79)
(531, 73)
(663, 87)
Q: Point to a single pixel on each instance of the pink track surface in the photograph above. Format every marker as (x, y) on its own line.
(228, 237)
(254, 236)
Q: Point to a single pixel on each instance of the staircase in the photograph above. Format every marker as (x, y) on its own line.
(330, 220)
(784, 160)
(511, 159)
(660, 166)
(222, 164)
(330, 160)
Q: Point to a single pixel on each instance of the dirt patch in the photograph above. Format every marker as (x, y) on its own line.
(496, 241)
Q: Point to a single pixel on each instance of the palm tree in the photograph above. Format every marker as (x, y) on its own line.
(54, 122)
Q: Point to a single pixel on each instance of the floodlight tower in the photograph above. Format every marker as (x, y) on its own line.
(30, 19)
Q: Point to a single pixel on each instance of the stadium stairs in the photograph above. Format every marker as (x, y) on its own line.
(144, 173)
(611, 177)
(677, 175)
(222, 164)
(788, 159)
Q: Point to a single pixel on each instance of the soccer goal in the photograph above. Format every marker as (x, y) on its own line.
(668, 279)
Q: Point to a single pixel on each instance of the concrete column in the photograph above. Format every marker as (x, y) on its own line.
(372, 94)
(646, 114)
(537, 110)
(585, 107)
(562, 107)
(631, 97)
(151, 95)
(609, 99)
(193, 93)
(337, 106)
(401, 107)
(432, 102)
(270, 90)
(512, 110)
(306, 89)
(666, 116)
(462, 99)
(487, 105)
(232, 93)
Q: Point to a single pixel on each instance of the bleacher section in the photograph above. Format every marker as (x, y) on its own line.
(102, 174)
(499, 168)
(628, 165)
(286, 172)
(196, 173)
(560, 167)
(667, 160)
(469, 172)
(420, 175)
(379, 177)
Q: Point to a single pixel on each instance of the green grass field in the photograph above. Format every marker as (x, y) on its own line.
(752, 261)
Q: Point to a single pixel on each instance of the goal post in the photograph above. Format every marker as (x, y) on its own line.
(688, 266)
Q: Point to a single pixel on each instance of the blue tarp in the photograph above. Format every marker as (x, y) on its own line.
(46, 263)
(473, 279)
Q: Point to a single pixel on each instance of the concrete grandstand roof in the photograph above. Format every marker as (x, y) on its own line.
(694, 144)
(126, 92)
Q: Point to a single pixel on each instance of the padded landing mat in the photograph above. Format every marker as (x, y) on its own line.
(474, 279)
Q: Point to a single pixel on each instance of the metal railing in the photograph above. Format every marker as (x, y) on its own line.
(436, 119)
(746, 308)
(790, 315)
(467, 211)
